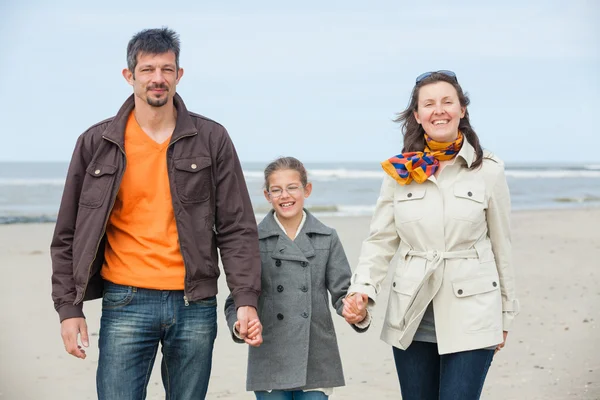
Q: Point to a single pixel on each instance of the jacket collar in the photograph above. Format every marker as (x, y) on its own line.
(184, 126)
(301, 248)
(467, 152)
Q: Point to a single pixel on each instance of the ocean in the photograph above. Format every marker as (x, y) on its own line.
(31, 192)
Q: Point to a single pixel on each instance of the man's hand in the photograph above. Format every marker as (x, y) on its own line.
(355, 307)
(69, 330)
(245, 315)
(254, 335)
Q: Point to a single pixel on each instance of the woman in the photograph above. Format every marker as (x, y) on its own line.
(444, 207)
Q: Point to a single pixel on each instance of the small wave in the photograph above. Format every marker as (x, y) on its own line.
(325, 174)
(584, 199)
(593, 167)
(552, 174)
(32, 182)
(328, 210)
(26, 219)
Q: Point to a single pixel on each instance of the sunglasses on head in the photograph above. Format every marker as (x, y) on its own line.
(442, 71)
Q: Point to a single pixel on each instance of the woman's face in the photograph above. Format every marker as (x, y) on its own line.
(439, 111)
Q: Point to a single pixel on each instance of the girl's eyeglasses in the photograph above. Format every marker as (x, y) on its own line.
(292, 190)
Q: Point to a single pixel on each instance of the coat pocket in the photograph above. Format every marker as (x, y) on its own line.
(469, 200)
(98, 179)
(479, 302)
(400, 295)
(409, 201)
(193, 180)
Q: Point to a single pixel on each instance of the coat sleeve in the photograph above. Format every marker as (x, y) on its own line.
(498, 221)
(231, 316)
(237, 236)
(379, 247)
(338, 274)
(61, 247)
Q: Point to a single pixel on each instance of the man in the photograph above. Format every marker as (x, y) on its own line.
(150, 195)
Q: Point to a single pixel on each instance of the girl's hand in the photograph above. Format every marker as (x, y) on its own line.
(355, 307)
(501, 345)
(254, 335)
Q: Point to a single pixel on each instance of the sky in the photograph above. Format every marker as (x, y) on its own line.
(318, 80)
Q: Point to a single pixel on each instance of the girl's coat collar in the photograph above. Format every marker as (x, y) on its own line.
(301, 248)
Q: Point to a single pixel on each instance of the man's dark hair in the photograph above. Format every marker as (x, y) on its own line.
(152, 41)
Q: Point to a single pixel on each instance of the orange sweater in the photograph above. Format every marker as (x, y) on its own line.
(142, 246)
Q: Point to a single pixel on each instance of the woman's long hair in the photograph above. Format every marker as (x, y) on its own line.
(414, 139)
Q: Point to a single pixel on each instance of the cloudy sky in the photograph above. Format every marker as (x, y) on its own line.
(320, 80)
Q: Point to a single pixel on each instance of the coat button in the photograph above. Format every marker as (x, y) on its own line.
(460, 291)
(494, 284)
(280, 288)
(194, 166)
(304, 289)
(278, 263)
(280, 316)
(394, 284)
(470, 194)
(304, 263)
(409, 195)
(97, 172)
(304, 315)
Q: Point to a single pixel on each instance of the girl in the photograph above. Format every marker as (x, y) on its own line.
(302, 260)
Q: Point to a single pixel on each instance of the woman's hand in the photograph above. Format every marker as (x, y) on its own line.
(355, 307)
(501, 345)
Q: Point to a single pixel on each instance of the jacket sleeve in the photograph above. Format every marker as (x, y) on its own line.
(61, 247)
(498, 221)
(231, 316)
(337, 276)
(236, 230)
(379, 247)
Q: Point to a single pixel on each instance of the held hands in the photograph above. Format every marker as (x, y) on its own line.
(248, 326)
(69, 330)
(355, 307)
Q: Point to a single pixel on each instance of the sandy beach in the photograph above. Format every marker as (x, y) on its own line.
(552, 352)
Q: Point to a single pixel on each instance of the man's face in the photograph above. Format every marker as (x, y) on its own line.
(155, 79)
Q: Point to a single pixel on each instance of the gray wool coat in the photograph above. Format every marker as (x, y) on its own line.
(299, 349)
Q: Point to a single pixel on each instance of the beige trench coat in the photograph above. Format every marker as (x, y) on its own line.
(452, 236)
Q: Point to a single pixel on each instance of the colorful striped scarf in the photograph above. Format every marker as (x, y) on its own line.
(420, 165)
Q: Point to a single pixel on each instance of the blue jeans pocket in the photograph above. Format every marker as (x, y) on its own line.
(207, 302)
(116, 295)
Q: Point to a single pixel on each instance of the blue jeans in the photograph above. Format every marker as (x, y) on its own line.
(426, 375)
(290, 395)
(134, 321)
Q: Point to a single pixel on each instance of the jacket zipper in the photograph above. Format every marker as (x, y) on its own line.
(185, 298)
(105, 221)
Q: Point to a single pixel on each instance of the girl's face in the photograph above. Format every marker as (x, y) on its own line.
(286, 193)
(439, 111)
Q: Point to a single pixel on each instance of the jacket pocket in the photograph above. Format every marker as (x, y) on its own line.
(469, 200)
(402, 291)
(409, 205)
(193, 179)
(98, 179)
(479, 302)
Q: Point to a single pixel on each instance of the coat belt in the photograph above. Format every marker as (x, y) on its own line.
(432, 281)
